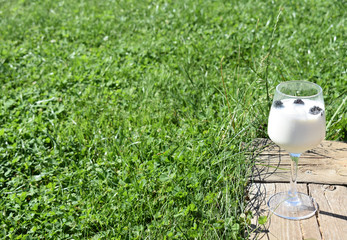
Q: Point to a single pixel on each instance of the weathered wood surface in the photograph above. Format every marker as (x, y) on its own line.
(332, 216)
(326, 164)
(322, 174)
(329, 223)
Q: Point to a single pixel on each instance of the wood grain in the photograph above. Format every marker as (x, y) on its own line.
(281, 228)
(332, 217)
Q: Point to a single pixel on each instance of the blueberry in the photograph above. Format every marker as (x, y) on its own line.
(315, 110)
(299, 101)
(278, 104)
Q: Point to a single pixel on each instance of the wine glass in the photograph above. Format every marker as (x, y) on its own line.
(297, 124)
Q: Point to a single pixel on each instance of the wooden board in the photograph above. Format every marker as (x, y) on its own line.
(332, 216)
(329, 223)
(326, 164)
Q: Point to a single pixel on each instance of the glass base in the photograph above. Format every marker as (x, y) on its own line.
(293, 208)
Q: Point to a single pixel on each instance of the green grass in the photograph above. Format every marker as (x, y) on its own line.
(113, 118)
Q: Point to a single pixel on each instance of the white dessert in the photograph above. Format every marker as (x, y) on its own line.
(297, 127)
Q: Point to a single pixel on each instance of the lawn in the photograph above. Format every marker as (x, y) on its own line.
(132, 119)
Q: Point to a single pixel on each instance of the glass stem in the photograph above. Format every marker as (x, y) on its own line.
(293, 191)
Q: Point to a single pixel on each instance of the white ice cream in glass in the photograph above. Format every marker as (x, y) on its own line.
(297, 124)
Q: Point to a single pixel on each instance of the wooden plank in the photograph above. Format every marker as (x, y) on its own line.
(281, 228)
(332, 215)
(305, 229)
(257, 205)
(276, 227)
(258, 194)
(326, 164)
